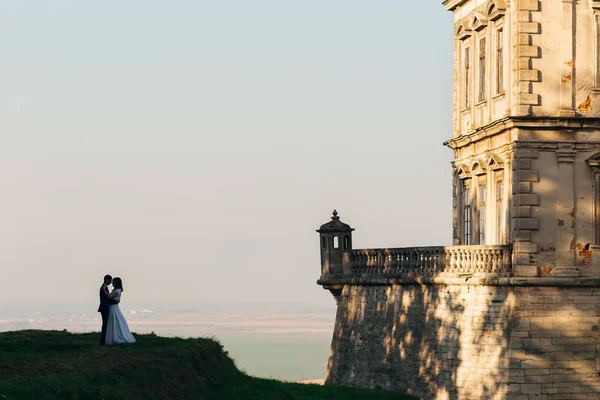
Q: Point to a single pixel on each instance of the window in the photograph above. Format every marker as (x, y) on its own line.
(336, 242)
(467, 67)
(466, 199)
(481, 211)
(481, 96)
(597, 18)
(499, 211)
(499, 61)
(324, 243)
(346, 242)
(594, 163)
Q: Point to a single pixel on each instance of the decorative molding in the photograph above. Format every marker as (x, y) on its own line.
(462, 31)
(494, 281)
(566, 154)
(462, 171)
(526, 123)
(479, 21)
(495, 9)
(472, 167)
(452, 5)
(594, 161)
(478, 167)
(494, 162)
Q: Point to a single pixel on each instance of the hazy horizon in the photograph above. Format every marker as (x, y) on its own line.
(193, 148)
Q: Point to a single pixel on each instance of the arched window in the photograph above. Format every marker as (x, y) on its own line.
(324, 243)
(336, 243)
(346, 242)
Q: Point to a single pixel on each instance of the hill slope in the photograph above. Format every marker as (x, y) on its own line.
(61, 365)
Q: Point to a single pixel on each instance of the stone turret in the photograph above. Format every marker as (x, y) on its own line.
(336, 243)
(336, 239)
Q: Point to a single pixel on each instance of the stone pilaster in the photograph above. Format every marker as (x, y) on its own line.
(525, 51)
(456, 90)
(565, 208)
(524, 213)
(566, 59)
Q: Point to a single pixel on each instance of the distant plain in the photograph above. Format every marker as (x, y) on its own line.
(285, 344)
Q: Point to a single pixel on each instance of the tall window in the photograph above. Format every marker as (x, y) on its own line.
(467, 67)
(597, 18)
(499, 211)
(499, 61)
(481, 211)
(481, 69)
(466, 199)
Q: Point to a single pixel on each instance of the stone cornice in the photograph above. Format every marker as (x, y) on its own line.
(566, 154)
(465, 281)
(452, 4)
(485, 131)
(527, 123)
(556, 145)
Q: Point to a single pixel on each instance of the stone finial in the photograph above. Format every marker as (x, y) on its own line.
(335, 225)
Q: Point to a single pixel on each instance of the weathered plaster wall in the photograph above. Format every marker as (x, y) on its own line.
(561, 38)
(546, 189)
(584, 216)
(561, 223)
(567, 56)
(468, 342)
(551, 60)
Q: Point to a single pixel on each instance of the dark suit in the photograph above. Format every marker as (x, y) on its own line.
(103, 309)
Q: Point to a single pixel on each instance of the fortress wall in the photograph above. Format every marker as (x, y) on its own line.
(468, 342)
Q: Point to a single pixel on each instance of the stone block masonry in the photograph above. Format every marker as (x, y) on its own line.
(519, 340)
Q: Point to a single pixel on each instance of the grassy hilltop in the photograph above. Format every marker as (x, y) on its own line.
(61, 365)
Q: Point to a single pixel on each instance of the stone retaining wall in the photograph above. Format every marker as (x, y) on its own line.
(461, 341)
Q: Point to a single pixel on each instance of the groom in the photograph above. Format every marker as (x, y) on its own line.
(104, 308)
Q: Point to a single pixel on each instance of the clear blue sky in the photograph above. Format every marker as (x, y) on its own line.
(193, 147)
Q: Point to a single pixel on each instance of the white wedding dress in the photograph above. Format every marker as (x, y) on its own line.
(117, 330)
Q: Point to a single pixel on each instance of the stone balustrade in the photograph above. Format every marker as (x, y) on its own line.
(438, 261)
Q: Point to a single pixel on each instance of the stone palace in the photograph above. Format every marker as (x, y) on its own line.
(512, 309)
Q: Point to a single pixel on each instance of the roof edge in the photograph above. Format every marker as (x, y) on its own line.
(452, 4)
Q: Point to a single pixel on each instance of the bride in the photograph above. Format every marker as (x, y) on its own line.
(117, 331)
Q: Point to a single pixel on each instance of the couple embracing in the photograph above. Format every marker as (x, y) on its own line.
(114, 327)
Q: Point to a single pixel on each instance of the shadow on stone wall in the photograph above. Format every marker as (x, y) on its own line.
(466, 342)
(416, 339)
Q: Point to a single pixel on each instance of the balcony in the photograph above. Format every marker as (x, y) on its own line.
(429, 262)
(341, 264)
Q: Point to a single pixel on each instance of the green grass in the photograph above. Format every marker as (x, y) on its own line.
(61, 365)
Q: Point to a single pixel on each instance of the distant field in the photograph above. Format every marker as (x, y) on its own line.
(290, 345)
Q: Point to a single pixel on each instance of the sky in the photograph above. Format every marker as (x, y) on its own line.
(193, 147)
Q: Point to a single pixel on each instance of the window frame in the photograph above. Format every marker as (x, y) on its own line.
(466, 76)
(597, 47)
(481, 68)
(482, 192)
(466, 222)
(499, 61)
(499, 206)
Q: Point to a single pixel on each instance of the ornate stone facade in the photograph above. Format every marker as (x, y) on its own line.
(512, 308)
(524, 137)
